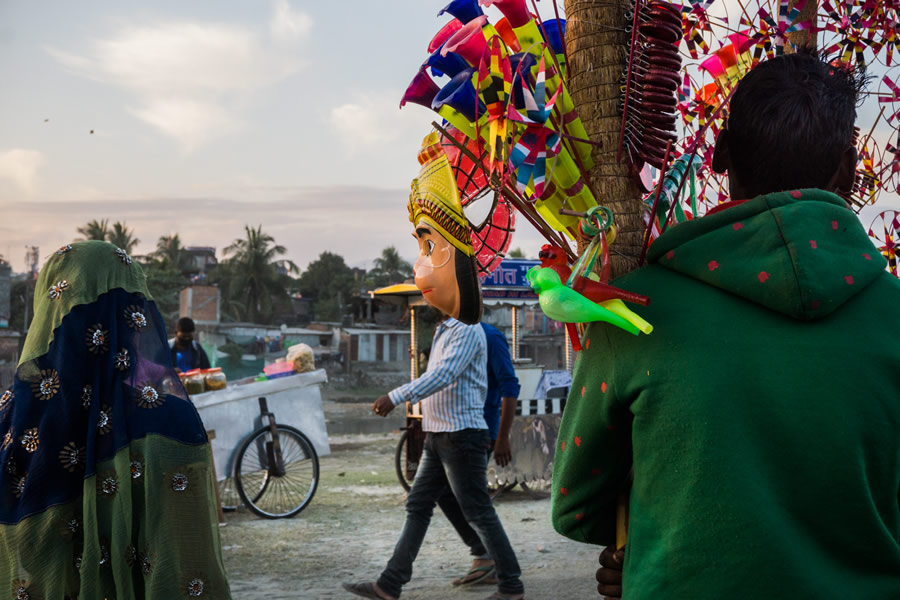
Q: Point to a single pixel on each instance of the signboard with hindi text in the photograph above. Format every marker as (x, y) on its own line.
(509, 281)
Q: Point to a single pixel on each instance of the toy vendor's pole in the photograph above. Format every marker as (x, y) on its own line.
(515, 333)
(413, 346)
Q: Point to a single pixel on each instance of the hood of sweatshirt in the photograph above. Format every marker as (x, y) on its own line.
(802, 253)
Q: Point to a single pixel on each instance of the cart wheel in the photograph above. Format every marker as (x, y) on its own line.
(400, 463)
(406, 482)
(266, 491)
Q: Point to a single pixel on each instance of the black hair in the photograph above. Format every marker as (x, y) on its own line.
(791, 120)
(185, 325)
(469, 288)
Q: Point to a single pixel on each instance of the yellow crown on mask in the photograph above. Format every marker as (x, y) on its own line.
(434, 197)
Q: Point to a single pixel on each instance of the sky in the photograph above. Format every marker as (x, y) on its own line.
(199, 118)
(207, 116)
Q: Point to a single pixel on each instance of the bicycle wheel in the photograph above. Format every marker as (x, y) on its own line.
(228, 495)
(276, 486)
(400, 463)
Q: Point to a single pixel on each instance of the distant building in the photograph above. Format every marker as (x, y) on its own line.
(202, 303)
(377, 345)
(32, 260)
(5, 289)
(202, 259)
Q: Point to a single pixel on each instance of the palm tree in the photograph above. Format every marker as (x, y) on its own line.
(390, 268)
(516, 253)
(170, 253)
(95, 230)
(597, 46)
(254, 276)
(122, 237)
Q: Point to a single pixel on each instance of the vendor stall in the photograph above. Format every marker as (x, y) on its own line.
(257, 441)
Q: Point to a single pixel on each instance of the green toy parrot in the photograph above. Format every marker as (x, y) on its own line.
(564, 304)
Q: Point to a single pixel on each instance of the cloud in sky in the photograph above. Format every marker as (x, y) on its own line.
(288, 25)
(373, 120)
(19, 167)
(190, 77)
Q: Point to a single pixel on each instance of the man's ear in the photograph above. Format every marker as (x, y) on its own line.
(844, 178)
(721, 161)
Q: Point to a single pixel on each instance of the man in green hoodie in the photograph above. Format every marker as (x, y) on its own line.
(762, 417)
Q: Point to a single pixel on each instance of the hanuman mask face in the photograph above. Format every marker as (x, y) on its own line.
(445, 270)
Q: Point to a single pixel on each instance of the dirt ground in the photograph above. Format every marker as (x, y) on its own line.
(348, 531)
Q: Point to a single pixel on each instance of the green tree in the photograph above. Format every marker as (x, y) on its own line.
(21, 300)
(390, 268)
(330, 283)
(515, 253)
(254, 280)
(171, 253)
(122, 237)
(165, 283)
(94, 230)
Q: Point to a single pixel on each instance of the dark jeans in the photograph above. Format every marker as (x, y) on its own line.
(453, 511)
(457, 459)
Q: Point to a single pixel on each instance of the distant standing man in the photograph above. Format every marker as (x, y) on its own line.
(187, 353)
(499, 409)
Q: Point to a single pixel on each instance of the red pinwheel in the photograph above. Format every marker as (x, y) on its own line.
(885, 232)
(491, 237)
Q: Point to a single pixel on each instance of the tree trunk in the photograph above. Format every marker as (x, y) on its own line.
(597, 47)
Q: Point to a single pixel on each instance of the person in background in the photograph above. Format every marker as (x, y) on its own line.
(187, 353)
(762, 417)
(499, 409)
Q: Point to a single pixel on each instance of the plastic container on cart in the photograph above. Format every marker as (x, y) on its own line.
(194, 381)
(279, 369)
(214, 379)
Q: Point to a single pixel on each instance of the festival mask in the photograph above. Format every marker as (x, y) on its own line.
(445, 270)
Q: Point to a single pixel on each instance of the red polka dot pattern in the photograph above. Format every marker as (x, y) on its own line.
(812, 244)
(603, 387)
(763, 276)
(737, 226)
(713, 265)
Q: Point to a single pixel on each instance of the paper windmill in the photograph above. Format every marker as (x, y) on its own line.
(885, 231)
(537, 142)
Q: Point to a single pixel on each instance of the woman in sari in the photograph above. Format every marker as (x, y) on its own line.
(106, 490)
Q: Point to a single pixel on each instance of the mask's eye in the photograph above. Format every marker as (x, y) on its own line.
(429, 247)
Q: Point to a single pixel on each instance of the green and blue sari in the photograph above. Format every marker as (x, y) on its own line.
(106, 490)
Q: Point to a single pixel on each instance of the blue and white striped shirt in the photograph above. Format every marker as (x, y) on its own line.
(454, 387)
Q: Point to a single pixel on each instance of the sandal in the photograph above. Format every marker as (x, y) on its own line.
(365, 589)
(475, 575)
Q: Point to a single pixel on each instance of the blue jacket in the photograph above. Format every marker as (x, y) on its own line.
(502, 381)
